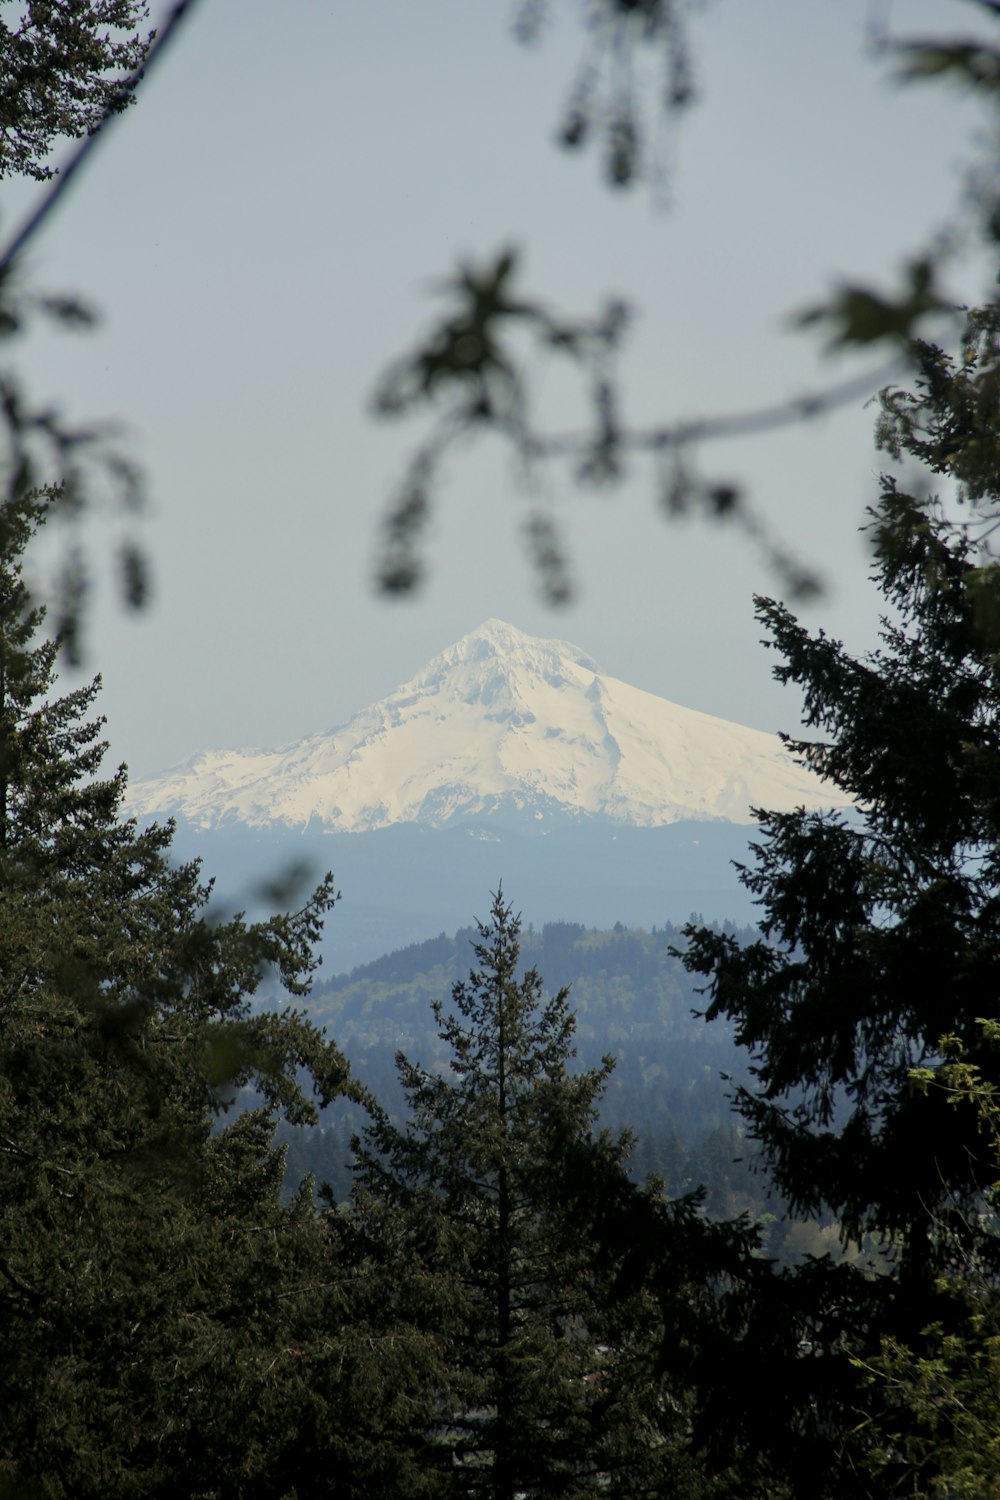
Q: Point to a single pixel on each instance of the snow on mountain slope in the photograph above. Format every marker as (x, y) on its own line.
(500, 722)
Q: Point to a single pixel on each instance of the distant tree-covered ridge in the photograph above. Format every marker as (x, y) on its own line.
(626, 983)
(632, 999)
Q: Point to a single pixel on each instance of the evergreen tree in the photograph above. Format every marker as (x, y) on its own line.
(548, 1381)
(879, 954)
(171, 1325)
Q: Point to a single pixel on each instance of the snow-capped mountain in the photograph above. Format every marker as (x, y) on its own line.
(499, 723)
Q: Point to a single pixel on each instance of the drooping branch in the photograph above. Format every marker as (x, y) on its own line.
(473, 376)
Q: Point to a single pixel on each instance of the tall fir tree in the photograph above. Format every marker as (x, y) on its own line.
(493, 1191)
(878, 961)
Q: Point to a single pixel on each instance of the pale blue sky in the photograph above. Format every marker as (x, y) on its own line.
(260, 233)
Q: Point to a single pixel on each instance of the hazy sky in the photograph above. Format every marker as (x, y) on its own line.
(260, 234)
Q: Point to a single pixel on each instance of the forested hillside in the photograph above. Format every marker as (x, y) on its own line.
(633, 1001)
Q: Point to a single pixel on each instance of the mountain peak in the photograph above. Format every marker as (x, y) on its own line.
(500, 723)
(497, 643)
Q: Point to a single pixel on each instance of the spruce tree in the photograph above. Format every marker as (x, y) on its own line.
(548, 1381)
(878, 961)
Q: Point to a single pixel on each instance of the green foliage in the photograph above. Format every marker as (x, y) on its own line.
(631, 999)
(938, 1398)
(940, 1408)
(63, 67)
(549, 1380)
(863, 1000)
(170, 1324)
